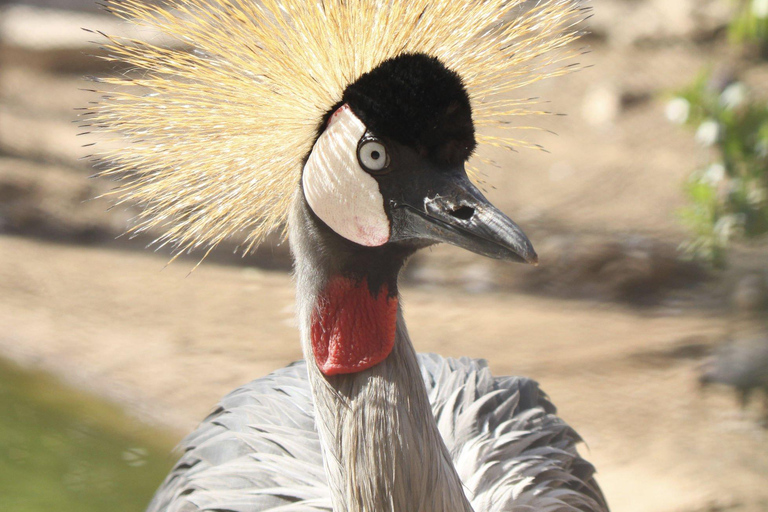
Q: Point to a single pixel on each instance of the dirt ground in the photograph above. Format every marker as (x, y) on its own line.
(169, 345)
(612, 324)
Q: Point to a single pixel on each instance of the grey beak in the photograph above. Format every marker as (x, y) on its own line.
(456, 212)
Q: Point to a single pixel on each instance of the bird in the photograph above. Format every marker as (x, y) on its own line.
(347, 126)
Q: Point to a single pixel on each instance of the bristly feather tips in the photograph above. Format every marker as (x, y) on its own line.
(221, 109)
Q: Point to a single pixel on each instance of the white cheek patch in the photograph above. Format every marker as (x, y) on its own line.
(338, 190)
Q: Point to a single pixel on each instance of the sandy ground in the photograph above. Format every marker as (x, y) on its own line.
(169, 345)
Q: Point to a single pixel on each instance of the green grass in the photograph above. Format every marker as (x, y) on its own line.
(61, 450)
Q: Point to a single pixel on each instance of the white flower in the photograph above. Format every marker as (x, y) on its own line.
(677, 110)
(756, 194)
(734, 95)
(714, 174)
(728, 226)
(760, 8)
(708, 132)
(761, 148)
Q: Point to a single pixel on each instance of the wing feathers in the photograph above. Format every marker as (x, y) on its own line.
(259, 450)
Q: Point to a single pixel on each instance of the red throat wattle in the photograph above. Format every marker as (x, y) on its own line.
(351, 329)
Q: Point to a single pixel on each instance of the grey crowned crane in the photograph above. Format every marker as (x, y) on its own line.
(354, 121)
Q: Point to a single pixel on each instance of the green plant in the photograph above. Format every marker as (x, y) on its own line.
(66, 451)
(727, 195)
(750, 23)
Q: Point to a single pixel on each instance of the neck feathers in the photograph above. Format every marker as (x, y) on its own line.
(382, 450)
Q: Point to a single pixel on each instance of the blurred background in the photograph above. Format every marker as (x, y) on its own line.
(645, 322)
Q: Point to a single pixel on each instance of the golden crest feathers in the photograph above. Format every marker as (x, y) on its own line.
(220, 116)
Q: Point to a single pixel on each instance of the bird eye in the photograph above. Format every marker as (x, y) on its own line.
(372, 155)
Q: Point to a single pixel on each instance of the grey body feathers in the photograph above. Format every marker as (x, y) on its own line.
(260, 450)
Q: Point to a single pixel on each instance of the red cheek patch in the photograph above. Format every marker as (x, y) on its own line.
(351, 329)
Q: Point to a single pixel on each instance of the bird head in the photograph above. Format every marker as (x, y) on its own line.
(370, 109)
(388, 165)
(221, 112)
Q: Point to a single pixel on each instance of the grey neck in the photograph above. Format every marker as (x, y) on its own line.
(381, 446)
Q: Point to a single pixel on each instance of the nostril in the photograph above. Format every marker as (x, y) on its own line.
(463, 212)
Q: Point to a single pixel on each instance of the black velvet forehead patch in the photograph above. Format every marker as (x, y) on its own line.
(415, 100)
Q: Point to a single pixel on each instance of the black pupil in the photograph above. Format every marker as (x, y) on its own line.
(375, 154)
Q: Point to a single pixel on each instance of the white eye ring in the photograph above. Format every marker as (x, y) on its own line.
(372, 155)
